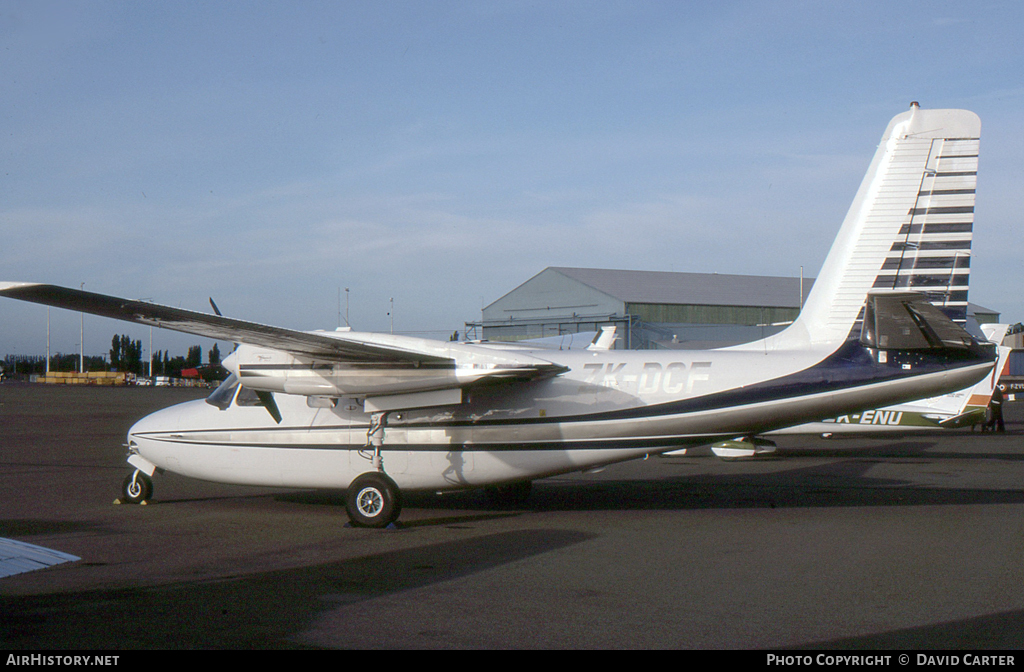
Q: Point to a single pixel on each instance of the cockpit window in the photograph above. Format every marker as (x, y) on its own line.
(225, 392)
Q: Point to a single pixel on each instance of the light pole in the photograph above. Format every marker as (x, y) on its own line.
(346, 308)
(81, 340)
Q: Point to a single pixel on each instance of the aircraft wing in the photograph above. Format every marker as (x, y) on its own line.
(17, 557)
(334, 347)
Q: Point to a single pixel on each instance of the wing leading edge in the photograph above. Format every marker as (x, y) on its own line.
(275, 359)
(335, 347)
(17, 557)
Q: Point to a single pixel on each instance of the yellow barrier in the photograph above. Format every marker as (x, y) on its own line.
(88, 378)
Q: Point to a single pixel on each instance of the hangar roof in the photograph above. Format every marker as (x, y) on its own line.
(712, 289)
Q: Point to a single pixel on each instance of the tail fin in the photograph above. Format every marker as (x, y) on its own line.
(981, 394)
(909, 227)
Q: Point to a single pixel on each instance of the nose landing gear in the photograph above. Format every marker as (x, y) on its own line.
(137, 488)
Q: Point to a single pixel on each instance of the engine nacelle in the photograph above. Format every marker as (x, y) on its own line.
(268, 370)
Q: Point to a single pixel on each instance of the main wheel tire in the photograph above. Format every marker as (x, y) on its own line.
(137, 488)
(373, 500)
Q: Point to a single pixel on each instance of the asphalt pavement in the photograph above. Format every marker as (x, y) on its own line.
(905, 542)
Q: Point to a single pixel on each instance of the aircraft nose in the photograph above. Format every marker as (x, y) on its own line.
(155, 436)
(161, 421)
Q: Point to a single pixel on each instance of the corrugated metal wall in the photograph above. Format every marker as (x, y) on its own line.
(745, 315)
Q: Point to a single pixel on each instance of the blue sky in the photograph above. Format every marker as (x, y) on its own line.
(441, 153)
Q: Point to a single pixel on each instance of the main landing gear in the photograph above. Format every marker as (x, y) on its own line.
(373, 499)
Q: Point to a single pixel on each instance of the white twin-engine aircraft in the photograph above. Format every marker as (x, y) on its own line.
(379, 414)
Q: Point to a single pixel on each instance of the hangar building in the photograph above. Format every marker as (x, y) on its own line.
(651, 309)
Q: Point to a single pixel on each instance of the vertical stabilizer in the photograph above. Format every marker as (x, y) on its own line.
(909, 227)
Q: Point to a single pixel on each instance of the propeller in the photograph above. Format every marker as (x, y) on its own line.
(266, 398)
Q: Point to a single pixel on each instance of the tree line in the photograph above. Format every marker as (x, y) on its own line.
(125, 355)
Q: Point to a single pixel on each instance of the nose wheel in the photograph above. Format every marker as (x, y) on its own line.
(137, 488)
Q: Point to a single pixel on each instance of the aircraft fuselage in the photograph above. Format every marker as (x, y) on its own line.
(607, 407)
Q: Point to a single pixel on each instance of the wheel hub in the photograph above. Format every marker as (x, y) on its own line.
(370, 502)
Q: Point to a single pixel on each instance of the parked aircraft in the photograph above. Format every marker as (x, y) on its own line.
(963, 408)
(956, 410)
(379, 414)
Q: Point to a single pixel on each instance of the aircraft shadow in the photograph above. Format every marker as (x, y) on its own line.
(842, 483)
(24, 528)
(261, 611)
(983, 446)
(1003, 632)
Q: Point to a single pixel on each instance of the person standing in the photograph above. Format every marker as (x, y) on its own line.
(994, 421)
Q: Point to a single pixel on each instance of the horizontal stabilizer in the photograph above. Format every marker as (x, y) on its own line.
(975, 416)
(907, 321)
